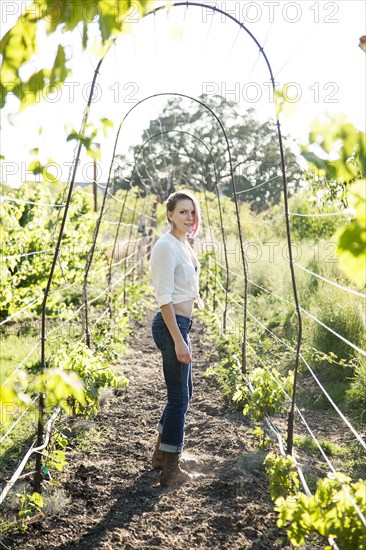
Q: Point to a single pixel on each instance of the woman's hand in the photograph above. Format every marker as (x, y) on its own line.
(182, 352)
(181, 348)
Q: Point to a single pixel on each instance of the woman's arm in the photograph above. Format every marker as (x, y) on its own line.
(163, 262)
(181, 348)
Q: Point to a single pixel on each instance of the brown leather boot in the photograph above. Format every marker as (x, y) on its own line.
(157, 457)
(186, 462)
(172, 474)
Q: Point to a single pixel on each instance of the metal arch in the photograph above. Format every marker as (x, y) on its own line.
(65, 213)
(287, 215)
(141, 148)
(215, 9)
(221, 220)
(245, 267)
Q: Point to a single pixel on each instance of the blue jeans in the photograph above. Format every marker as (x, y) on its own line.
(178, 379)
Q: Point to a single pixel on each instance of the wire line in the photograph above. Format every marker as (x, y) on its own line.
(346, 289)
(12, 199)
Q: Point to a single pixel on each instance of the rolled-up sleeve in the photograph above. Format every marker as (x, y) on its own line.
(163, 262)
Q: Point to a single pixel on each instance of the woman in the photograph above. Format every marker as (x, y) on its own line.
(175, 272)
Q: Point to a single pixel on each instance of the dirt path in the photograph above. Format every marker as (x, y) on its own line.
(117, 502)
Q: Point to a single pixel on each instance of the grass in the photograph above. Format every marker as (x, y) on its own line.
(14, 348)
(334, 307)
(356, 393)
(331, 449)
(341, 313)
(347, 458)
(16, 444)
(89, 438)
(312, 397)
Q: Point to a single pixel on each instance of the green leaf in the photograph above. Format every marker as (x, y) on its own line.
(37, 499)
(36, 167)
(74, 135)
(30, 91)
(106, 123)
(85, 36)
(59, 70)
(341, 141)
(58, 385)
(352, 238)
(17, 47)
(19, 44)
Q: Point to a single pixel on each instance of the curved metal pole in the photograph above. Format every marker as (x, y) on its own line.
(245, 269)
(229, 16)
(41, 406)
(199, 140)
(129, 240)
(287, 215)
(211, 236)
(90, 255)
(111, 260)
(152, 160)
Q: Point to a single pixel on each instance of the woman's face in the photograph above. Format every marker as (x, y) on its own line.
(183, 216)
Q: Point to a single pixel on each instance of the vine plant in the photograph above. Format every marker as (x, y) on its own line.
(336, 509)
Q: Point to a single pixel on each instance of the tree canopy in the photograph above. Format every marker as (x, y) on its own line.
(186, 146)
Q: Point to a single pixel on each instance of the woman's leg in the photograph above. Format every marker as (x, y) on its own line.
(190, 393)
(178, 379)
(190, 380)
(161, 422)
(158, 330)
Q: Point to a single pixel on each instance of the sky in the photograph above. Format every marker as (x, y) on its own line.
(312, 47)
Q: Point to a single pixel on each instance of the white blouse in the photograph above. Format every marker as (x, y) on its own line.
(173, 272)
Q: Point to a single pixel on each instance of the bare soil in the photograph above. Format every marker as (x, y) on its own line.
(116, 501)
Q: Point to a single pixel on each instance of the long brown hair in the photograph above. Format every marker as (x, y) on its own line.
(183, 195)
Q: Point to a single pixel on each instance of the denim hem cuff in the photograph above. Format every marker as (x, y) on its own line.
(171, 448)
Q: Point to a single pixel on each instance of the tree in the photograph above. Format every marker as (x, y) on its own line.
(186, 145)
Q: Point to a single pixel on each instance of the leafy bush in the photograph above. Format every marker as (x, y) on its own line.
(95, 374)
(227, 372)
(28, 229)
(268, 397)
(312, 227)
(283, 477)
(330, 512)
(75, 379)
